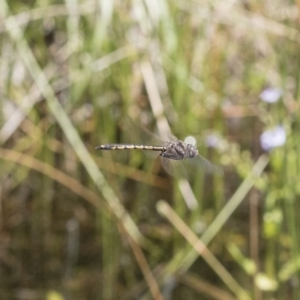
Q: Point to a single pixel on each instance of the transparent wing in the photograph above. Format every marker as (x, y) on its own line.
(138, 134)
(208, 166)
(174, 168)
(186, 168)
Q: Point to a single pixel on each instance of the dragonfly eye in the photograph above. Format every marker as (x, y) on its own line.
(192, 151)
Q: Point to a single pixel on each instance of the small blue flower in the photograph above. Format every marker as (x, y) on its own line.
(212, 140)
(273, 138)
(271, 95)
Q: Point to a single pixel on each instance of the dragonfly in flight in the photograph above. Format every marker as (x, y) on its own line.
(170, 152)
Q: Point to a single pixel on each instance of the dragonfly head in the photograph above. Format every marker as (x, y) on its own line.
(191, 151)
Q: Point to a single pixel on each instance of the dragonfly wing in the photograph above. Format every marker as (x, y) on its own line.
(186, 168)
(138, 134)
(174, 168)
(208, 166)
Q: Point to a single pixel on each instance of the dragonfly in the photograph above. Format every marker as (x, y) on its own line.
(171, 152)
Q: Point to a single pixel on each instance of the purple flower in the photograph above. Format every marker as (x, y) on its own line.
(212, 140)
(271, 95)
(273, 138)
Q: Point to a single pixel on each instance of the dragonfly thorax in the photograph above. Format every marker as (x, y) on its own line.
(179, 150)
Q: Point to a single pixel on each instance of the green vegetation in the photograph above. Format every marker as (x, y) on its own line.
(76, 223)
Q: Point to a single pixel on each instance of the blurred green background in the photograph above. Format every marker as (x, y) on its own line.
(76, 223)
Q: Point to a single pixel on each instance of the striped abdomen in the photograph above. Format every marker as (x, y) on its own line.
(129, 147)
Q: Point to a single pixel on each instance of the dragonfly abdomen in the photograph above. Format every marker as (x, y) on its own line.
(129, 147)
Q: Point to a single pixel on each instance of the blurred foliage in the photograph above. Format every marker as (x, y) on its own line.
(76, 223)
